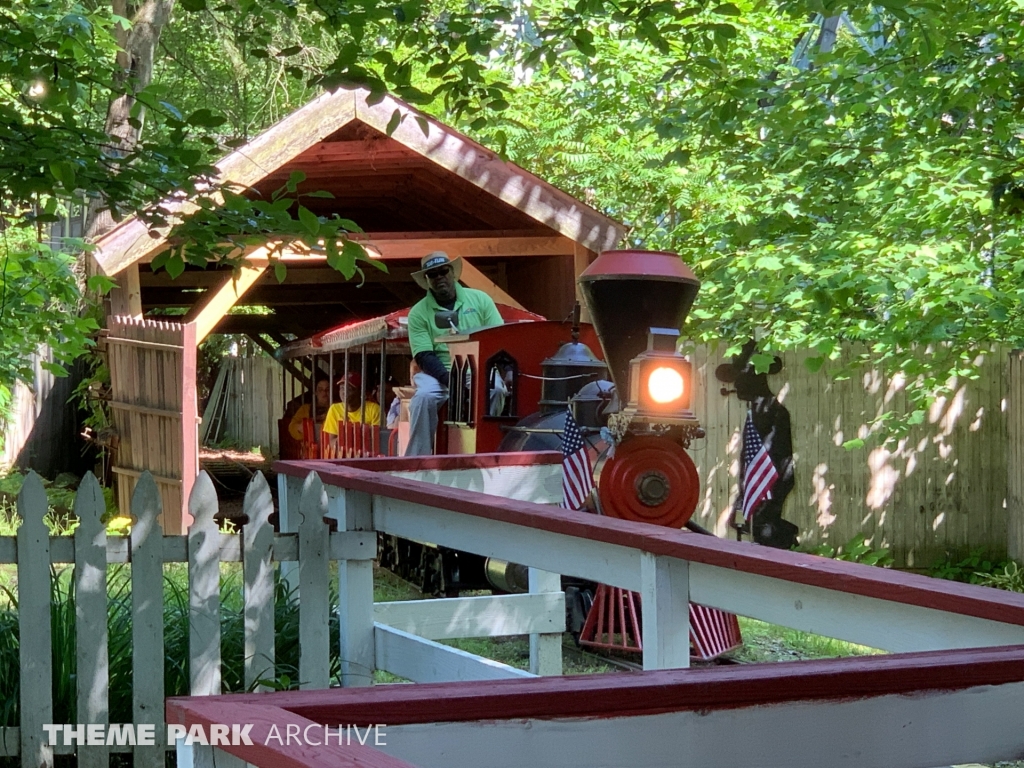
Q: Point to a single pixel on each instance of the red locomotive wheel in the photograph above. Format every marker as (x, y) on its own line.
(650, 480)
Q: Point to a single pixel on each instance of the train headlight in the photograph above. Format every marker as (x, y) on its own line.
(665, 385)
(660, 381)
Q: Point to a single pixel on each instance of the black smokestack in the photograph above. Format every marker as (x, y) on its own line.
(628, 292)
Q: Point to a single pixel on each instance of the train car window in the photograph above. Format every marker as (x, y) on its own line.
(468, 384)
(502, 372)
(455, 391)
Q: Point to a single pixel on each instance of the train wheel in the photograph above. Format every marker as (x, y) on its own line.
(650, 480)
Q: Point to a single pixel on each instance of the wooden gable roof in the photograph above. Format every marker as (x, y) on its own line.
(424, 176)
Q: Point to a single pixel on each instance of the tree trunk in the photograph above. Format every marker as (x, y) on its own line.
(135, 72)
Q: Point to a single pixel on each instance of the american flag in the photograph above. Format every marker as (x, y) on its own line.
(577, 476)
(759, 474)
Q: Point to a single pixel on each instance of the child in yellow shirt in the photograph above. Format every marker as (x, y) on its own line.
(350, 410)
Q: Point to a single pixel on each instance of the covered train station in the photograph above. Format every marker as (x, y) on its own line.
(424, 187)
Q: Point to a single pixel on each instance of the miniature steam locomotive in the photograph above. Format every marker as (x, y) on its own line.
(626, 385)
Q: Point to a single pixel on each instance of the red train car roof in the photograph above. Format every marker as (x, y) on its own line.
(392, 328)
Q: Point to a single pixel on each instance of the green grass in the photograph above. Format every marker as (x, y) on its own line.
(767, 643)
(388, 588)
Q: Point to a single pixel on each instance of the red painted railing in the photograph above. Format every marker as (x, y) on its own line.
(796, 567)
(354, 441)
(584, 698)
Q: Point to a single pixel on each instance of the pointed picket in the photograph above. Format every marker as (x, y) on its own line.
(34, 624)
(314, 600)
(147, 619)
(91, 614)
(258, 575)
(204, 589)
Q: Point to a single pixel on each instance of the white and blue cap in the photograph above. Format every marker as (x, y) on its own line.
(433, 261)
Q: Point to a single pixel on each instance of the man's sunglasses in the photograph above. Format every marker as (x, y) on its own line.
(434, 274)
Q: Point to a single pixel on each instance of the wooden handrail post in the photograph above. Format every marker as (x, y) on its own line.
(545, 649)
(354, 512)
(665, 596)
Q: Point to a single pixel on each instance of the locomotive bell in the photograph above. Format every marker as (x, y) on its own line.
(630, 292)
(566, 373)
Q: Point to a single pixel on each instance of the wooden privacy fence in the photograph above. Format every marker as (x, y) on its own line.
(43, 416)
(1015, 456)
(251, 398)
(942, 489)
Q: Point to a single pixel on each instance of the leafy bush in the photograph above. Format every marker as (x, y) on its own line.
(856, 550)
(1011, 578)
(60, 493)
(973, 569)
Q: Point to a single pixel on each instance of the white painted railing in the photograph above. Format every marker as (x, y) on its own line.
(480, 504)
(892, 711)
(880, 608)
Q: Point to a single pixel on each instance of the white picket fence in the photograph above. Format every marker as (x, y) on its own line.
(92, 551)
(304, 556)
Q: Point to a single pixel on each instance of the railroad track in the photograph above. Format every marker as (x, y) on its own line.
(571, 649)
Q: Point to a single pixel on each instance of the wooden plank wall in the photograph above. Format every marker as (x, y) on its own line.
(941, 490)
(1015, 455)
(545, 285)
(42, 431)
(153, 408)
(255, 391)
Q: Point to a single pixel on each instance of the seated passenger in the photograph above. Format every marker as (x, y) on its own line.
(304, 411)
(349, 410)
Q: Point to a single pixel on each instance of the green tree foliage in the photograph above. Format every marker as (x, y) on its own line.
(53, 61)
(879, 191)
(867, 191)
(58, 77)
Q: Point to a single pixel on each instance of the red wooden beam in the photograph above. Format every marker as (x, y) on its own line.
(616, 696)
(452, 461)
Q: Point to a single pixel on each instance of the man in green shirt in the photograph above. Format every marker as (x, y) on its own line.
(439, 276)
